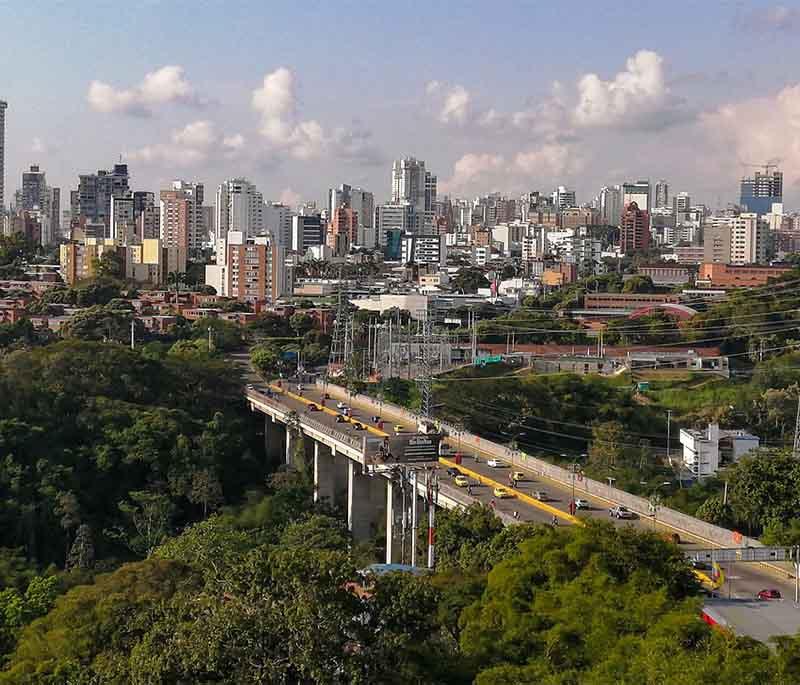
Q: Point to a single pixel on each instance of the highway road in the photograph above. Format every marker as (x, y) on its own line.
(743, 580)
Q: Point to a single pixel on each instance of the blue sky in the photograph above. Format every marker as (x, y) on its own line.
(494, 96)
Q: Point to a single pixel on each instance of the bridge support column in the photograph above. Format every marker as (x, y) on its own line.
(324, 476)
(393, 513)
(289, 445)
(340, 478)
(359, 502)
(273, 442)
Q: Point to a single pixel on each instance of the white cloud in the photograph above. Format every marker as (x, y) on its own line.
(289, 197)
(456, 106)
(198, 134)
(283, 128)
(276, 103)
(38, 146)
(452, 102)
(471, 170)
(640, 89)
(776, 137)
(777, 18)
(163, 86)
(234, 142)
(551, 160)
(195, 143)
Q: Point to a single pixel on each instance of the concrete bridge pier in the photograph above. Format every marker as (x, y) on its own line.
(394, 513)
(274, 439)
(324, 473)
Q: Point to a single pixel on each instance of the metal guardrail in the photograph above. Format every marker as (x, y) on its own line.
(263, 398)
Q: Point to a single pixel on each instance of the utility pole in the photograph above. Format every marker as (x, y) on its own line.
(133, 336)
(796, 446)
(669, 422)
(432, 490)
(210, 344)
(414, 519)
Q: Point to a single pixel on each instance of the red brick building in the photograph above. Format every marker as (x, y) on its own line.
(634, 229)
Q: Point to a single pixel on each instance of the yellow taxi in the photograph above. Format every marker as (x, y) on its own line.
(502, 493)
(398, 428)
(461, 481)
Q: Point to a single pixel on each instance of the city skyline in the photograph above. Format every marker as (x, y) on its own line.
(696, 116)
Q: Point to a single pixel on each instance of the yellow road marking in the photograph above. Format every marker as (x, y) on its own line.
(327, 410)
(521, 496)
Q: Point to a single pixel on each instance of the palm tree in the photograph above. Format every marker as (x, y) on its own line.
(176, 278)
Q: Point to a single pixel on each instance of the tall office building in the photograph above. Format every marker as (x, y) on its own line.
(393, 217)
(639, 193)
(430, 200)
(122, 223)
(306, 232)
(181, 218)
(338, 197)
(634, 229)
(239, 207)
(662, 194)
(759, 192)
(3, 106)
(563, 198)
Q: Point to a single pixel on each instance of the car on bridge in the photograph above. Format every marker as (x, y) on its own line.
(461, 481)
(620, 512)
(495, 464)
(541, 495)
(581, 503)
(518, 476)
(502, 493)
(398, 428)
(453, 471)
(769, 594)
(341, 405)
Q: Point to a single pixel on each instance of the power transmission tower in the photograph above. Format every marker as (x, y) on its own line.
(796, 446)
(425, 378)
(338, 354)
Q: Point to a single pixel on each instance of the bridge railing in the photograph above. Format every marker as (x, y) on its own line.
(350, 440)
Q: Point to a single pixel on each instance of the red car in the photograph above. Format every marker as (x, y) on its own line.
(769, 594)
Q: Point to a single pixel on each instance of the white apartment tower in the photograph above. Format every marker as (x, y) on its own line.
(413, 186)
(240, 207)
(563, 198)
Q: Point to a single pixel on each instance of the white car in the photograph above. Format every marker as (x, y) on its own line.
(495, 464)
(620, 512)
(581, 504)
(341, 405)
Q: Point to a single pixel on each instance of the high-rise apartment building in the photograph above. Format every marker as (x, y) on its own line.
(735, 240)
(93, 199)
(609, 202)
(3, 106)
(255, 269)
(35, 193)
(412, 185)
(239, 207)
(122, 222)
(639, 193)
(278, 223)
(634, 229)
(681, 203)
(342, 230)
(363, 203)
(563, 198)
(759, 192)
(662, 194)
(146, 214)
(181, 218)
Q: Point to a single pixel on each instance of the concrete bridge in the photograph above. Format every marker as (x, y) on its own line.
(356, 465)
